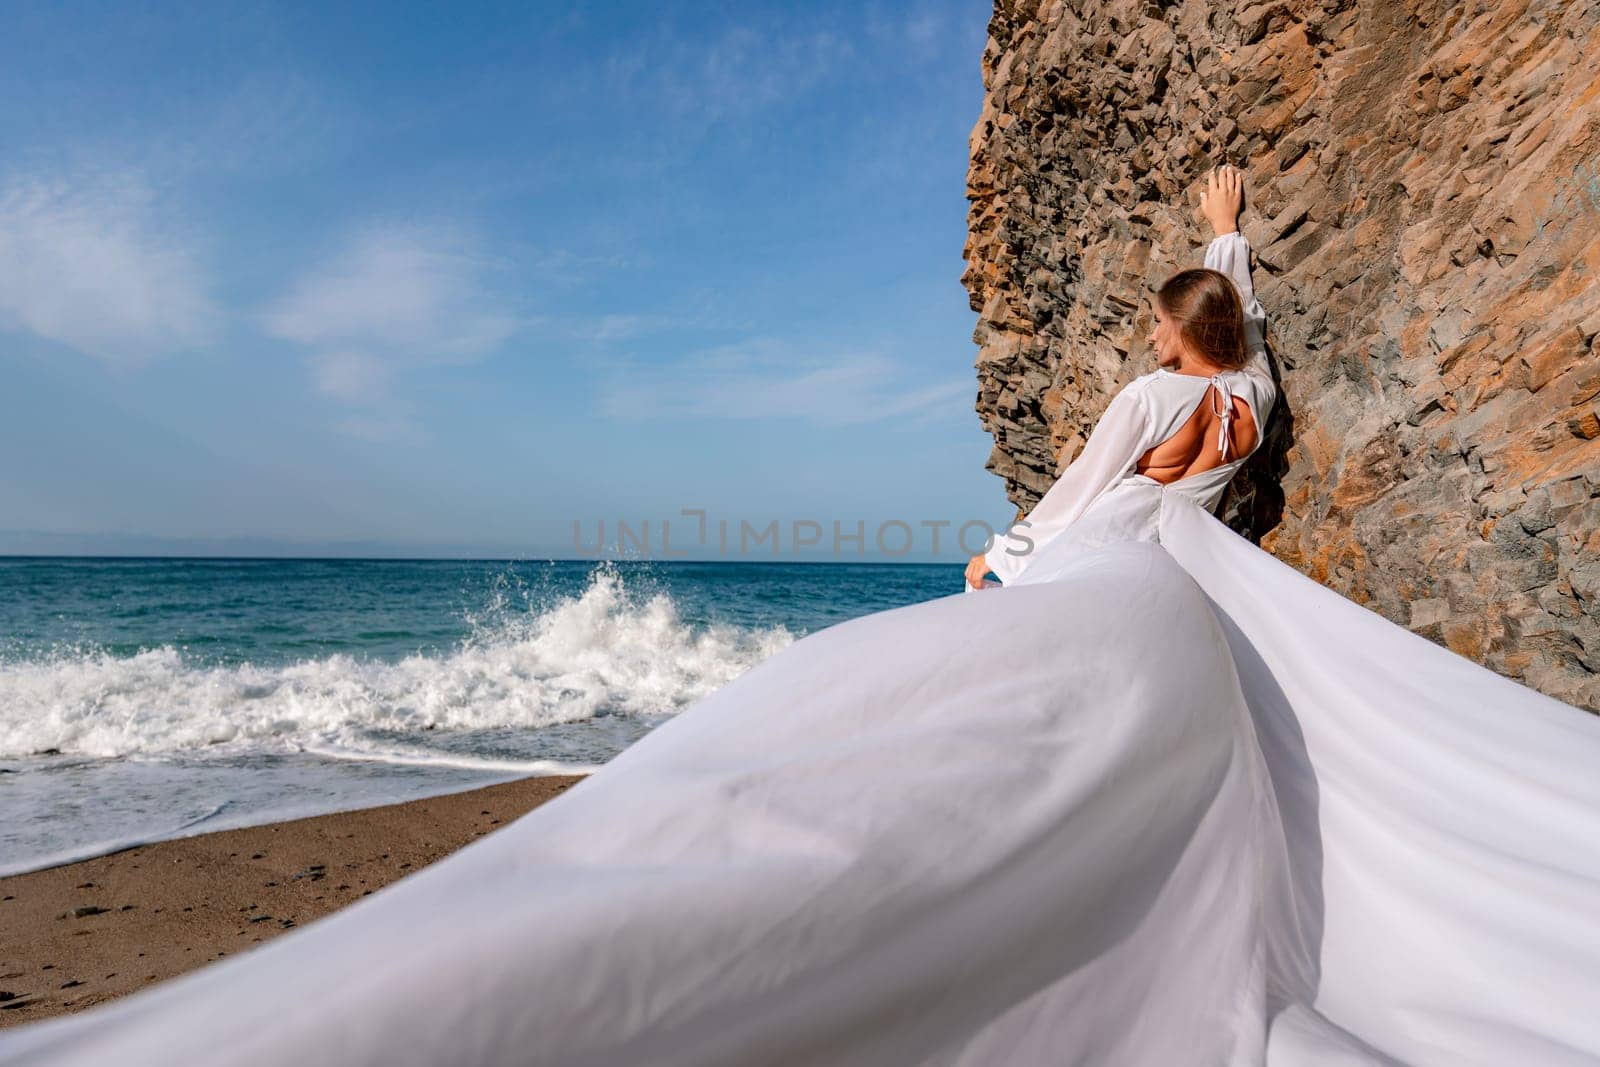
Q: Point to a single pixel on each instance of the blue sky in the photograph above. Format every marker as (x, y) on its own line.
(445, 279)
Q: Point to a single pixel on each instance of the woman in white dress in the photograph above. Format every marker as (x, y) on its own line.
(1188, 425)
(1160, 800)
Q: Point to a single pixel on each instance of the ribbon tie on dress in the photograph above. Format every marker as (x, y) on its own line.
(1224, 396)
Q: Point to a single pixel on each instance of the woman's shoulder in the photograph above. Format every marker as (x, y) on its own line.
(1148, 381)
(1155, 394)
(1165, 382)
(1136, 391)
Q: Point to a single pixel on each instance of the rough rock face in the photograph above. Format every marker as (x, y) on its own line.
(1423, 198)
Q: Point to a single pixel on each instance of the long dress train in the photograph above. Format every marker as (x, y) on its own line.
(1159, 800)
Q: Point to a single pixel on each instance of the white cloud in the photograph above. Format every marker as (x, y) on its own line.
(89, 264)
(393, 297)
(406, 293)
(766, 379)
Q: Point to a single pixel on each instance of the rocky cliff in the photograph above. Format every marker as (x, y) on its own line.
(1423, 199)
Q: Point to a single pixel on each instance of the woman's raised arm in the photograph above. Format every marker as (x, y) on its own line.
(1229, 252)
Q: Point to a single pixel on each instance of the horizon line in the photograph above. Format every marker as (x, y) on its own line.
(4, 556)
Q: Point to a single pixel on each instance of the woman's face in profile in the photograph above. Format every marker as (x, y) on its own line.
(1164, 338)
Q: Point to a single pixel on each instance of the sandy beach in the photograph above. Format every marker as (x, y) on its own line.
(80, 934)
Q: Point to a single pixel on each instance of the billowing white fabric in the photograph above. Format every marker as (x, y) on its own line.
(1442, 821)
(1168, 802)
(964, 831)
(1159, 800)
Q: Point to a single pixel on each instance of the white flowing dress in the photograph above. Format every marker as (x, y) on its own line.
(1162, 800)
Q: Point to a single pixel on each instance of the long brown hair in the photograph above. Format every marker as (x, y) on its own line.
(1205, 307)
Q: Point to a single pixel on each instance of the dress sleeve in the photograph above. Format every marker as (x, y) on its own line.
(1230, 254)
(1113, 448)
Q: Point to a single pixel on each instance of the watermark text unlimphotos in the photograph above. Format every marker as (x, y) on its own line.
(694, 532)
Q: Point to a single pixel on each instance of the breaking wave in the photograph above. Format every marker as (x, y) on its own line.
(603, 652)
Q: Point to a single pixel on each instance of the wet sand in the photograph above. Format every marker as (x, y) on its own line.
(83, 933)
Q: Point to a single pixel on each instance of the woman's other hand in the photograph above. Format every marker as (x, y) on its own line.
(1222, 197)
(977, 567)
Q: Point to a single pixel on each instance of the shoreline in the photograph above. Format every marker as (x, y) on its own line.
(85, 932)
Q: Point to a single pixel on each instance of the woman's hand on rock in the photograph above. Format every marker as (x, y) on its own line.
(1222, 197)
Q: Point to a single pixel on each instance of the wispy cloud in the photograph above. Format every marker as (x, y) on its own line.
(264, 122)
(769, 379)
(694, 316)
(604, 329)
(94, 265)
(402, 292)
(742, 70)
(391, 298)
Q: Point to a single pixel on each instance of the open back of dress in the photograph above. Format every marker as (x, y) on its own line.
(1193, 448)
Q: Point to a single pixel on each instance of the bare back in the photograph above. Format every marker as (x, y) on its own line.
(1193, 448)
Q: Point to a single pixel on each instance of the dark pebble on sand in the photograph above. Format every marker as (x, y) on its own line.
(69, 985)
(91, 909)
(5, 996)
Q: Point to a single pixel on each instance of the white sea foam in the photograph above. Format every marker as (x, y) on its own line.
(601, 652)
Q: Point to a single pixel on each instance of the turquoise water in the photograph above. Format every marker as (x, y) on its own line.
(142, 699)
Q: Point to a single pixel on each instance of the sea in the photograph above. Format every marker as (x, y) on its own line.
(144, 699)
